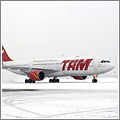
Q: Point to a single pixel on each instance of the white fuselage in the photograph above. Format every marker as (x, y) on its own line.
(85, 66)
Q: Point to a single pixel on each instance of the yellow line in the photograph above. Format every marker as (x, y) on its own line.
(34, 75)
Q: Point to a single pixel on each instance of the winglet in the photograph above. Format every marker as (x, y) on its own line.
(5, 56)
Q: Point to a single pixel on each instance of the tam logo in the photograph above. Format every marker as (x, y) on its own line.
(76, 64)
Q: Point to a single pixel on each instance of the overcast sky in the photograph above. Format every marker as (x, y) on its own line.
(50, 29)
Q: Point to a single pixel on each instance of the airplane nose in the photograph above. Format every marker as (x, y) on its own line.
(112, 66)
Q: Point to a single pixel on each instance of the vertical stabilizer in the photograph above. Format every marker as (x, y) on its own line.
(5, 56)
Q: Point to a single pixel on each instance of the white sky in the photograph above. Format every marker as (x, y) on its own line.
(45, 29)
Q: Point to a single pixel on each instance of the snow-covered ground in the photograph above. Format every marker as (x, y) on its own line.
(71, 99)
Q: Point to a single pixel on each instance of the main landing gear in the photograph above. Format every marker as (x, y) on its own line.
(29, 81)
(95, 78)
(54, 80)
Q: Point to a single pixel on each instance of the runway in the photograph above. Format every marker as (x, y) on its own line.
(68, 99)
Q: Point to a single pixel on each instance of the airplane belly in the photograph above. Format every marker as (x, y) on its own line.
(77, 73)
(56, 74)
(72, 73)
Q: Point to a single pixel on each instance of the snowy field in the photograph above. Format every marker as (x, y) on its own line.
(71, 99)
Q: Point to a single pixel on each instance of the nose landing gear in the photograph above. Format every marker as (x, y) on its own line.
(95, 78)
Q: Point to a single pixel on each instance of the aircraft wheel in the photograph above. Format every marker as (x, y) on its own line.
(30, 81)
(94, 80)
(33, 81)
(50, 80)
(26, 81)
(54, 80)
(57, 80)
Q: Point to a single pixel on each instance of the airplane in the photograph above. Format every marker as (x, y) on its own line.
(78, 68)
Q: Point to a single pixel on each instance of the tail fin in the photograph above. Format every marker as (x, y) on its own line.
(5, 56)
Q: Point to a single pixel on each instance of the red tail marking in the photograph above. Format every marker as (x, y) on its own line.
(5, 56)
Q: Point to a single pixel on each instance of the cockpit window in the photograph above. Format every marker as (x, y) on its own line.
(105, 61)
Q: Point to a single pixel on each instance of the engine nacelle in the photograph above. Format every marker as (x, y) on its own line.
(79, 77)
(37, 75)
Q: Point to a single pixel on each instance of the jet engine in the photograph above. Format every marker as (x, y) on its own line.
(37, 75)
(79, 77)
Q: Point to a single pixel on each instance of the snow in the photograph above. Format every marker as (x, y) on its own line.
(69, 99)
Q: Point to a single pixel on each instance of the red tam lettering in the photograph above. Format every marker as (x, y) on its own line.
(88, 61)
(80, 61)
(65, 62)
(83, 64)
(72, 64)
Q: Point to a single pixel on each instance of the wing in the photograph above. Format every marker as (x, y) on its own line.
(46, 70)
(26, 70)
